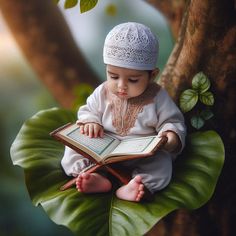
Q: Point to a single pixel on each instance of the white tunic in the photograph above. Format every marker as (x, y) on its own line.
(153, 112)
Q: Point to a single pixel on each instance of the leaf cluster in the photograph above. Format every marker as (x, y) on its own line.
(199, 93)
(85, 5)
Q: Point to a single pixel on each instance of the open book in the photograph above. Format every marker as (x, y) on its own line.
(107, 149)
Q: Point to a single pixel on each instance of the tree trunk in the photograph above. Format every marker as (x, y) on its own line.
(207, 42)
(173, 11)
(45, 39)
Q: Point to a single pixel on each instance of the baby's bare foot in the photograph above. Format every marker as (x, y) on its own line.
(92, 183)
(133, 191)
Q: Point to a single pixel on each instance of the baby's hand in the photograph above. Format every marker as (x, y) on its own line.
(93, 130)
(173, 143)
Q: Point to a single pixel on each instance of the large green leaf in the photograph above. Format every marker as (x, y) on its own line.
(195, 176)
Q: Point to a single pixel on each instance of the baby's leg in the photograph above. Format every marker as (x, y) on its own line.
(73, 162)
(155, 171)
(93, 183)
(133, 191)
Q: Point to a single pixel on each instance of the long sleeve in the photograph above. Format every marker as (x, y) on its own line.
(94, 108)
(170, 117)
(73, 163)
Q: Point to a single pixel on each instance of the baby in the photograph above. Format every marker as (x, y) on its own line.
(129, 104)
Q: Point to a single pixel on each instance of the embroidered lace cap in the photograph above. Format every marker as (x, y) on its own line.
(131, 45)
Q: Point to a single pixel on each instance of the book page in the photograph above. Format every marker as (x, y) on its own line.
(97, 145)
(134, 146)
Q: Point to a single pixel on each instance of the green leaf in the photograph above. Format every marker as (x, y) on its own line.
(200, 82)
(188, 99)
(56, 1)
(197, 122)
(86, 5)
(207, 98)
(195, 176)
(206, 114)
(70, 3)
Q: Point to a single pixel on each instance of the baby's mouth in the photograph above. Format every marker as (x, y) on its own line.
(123, 94)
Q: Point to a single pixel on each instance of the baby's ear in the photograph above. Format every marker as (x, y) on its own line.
(154, 73)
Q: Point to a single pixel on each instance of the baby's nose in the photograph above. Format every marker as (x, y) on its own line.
(122, 84)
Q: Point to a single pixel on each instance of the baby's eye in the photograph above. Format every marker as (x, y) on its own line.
(133, 80)
(114, 77)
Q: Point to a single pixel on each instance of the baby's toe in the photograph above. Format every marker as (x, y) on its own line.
(141, 187)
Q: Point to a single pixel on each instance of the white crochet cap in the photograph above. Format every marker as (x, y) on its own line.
(131, 45)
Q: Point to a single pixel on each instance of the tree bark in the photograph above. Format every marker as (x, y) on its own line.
(173, 11)
(207, 42)
(41, 32)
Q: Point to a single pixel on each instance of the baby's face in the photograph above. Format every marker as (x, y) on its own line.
(127, 83)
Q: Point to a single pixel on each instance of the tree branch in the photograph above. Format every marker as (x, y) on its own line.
(44, 37)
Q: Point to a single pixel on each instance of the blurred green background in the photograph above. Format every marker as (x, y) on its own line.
(22, 95)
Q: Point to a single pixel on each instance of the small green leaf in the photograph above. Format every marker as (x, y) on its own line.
(207, 98)
(200, 82)
(188, 100)
(86, 5)
(197, 122)
(206, 114)
(56, 1)
(70, 3)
